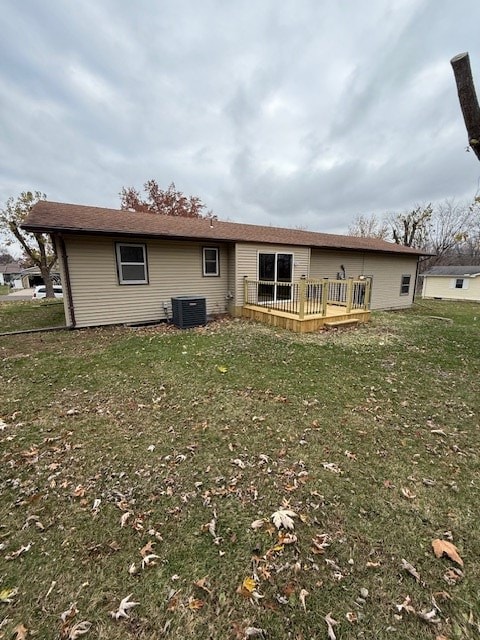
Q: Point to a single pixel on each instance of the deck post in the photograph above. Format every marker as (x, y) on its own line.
(245, 290)
(349, 295)
(302, 289)
(324, 296)
(368, 293)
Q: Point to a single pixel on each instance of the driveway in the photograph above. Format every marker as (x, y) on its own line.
(17, 294)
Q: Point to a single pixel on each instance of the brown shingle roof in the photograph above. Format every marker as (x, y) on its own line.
(51, 217)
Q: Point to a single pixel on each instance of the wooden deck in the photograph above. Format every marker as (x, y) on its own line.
(314, 322)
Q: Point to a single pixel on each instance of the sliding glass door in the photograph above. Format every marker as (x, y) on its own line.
(278, 269)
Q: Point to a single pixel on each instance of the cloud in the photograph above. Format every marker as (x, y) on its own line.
(285, 113)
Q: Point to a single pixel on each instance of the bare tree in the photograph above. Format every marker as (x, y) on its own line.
(412, 229)
(369, 227)
(37, 246)
(168, 202)
(468, 99)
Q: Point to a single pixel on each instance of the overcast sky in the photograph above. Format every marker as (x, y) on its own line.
(285, 112)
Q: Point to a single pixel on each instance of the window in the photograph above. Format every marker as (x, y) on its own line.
(132, 263)
(211, 266)
(459, 283)
(405, 285)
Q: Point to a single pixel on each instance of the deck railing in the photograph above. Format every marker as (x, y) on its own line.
(308, 297)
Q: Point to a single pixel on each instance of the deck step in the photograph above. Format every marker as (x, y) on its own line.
(333, 324)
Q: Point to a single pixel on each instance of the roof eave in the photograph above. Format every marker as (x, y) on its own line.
(33, 228)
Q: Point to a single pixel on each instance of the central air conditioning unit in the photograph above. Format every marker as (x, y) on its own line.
(189, 311)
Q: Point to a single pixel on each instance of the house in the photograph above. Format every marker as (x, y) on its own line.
(452, 283)
(31, 277)
(125, 267)
(10, 274)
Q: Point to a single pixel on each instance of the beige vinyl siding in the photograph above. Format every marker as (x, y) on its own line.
(63, 276)
(174, 269)
(386, 269)
(231, 278)
(444, 287)
(246, 263)
(327, 264)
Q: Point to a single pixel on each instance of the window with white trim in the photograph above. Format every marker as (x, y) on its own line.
(211, 263)
(131, 263)
(460, 283)
(405, 285)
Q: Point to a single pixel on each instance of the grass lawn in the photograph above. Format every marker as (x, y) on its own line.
(17, 316)
(4, 289)
(134, 462)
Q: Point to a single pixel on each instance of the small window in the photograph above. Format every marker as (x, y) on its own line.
(405, 285)
(211, 266)
(132, 263)
(459, 283)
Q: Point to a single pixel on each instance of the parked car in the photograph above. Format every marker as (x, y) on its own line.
(41, 291)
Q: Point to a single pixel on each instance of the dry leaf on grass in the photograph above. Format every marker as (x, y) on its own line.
(257, 524)
(80, 629)
(123, 607)
(301, 596)
(147, 549)
(70, 613)
(283, 518)
(7, 595)
(255, 632)
(249, 584)
(429, 616)
(202, 584)
(330, 624)
(195, 603)
(411, 570)
(20, 632)
(441, 547)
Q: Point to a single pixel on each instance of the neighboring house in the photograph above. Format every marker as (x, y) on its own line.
(31, 277)
(452, 283)
(124, 267)
(10, 274)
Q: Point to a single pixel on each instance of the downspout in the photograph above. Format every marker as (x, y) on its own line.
(68, 288)
(415, 282)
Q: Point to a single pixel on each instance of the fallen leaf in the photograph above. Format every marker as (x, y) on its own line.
(249, 584)
(18, 552)
(7, 595)
(149, 561)
(255, 632)
(21, 632)
(405, 606)
(147, 549)
(411, 569)
(80, 629)
(257, 524)
(124, 518)
(70, 613)
(441, 547)
(408, 494)
(330, 624)
(452, 576)
(123, 607)
(331, 466)
(195, 603)
(429, 616)
(283, 518)
(222, 368)
(301, 596)
(202, 584)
